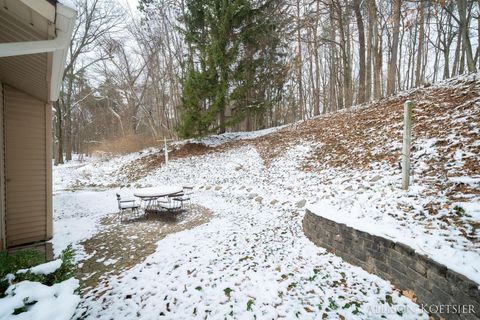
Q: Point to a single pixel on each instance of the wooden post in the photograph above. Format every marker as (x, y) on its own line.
(407, 138)
(166, 151)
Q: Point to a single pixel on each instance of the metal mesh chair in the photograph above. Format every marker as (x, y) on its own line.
(127, 204)
(180, 199)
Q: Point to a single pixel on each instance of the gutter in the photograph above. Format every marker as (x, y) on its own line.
(64, 23)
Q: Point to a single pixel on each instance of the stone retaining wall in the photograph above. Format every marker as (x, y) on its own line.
(435, 286)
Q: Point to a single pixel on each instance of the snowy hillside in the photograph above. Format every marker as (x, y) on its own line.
(252, 257)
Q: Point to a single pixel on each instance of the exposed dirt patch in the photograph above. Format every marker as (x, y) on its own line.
(122, 245)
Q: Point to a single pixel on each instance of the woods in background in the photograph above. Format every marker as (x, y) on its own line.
(187, 68)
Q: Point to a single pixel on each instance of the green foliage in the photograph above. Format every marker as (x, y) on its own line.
(195, 119)
(227, 291)
(235, 62)
(459, 210)
(22, 259)
(332, 304)
(389, 299)
(3, 287)
(250, 304)
(68, 267)
(26, 304)
(25, 259)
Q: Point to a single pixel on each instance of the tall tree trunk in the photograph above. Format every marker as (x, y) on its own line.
(456, 60)
(316, 107)
(68, 135)
(421, 39)
(59, 114)
(410, 63)
(446, 67)
(369, 64)
(477, 53)
(378, 54)
(414, 46)
(463, 29)
(399, 60)
(426, 44)
(361, 52)
(392, 67)
(68, 118)
(300, 66)
(313, 86)
(435, 63)
(462, 60)
(344, 32)
(333, 65)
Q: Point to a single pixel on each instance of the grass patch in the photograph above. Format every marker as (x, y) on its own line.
(24, 259)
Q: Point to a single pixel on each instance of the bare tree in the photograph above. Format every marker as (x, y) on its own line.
(95, 19)
(421, 40)
(361, 51)
(392, 66)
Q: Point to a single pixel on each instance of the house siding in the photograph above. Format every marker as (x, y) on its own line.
(27, 207)
(2, 176)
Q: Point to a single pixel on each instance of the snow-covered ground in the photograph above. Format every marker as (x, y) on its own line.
(219, 139)
(38, 301)
(251, 260)
(77, 215)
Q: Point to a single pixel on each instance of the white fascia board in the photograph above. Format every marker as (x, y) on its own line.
(65, 23)
(65, 19)
(10, 49)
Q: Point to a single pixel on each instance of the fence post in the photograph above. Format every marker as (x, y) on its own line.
(407, 139)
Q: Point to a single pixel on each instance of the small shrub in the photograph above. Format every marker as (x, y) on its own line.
(29, 258)
(22, 259)
(67, 269)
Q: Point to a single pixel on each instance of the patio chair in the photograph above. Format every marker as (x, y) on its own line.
(170, 204)
(181, 198)
(149, 202)
(127, 204)
(188, 190)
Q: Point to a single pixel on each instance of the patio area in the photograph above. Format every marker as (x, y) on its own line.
(121, 244)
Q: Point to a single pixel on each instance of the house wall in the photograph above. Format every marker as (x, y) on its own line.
(27, 169)
(2, 177)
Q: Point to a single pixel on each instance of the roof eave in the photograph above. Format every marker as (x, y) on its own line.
(64, 25)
